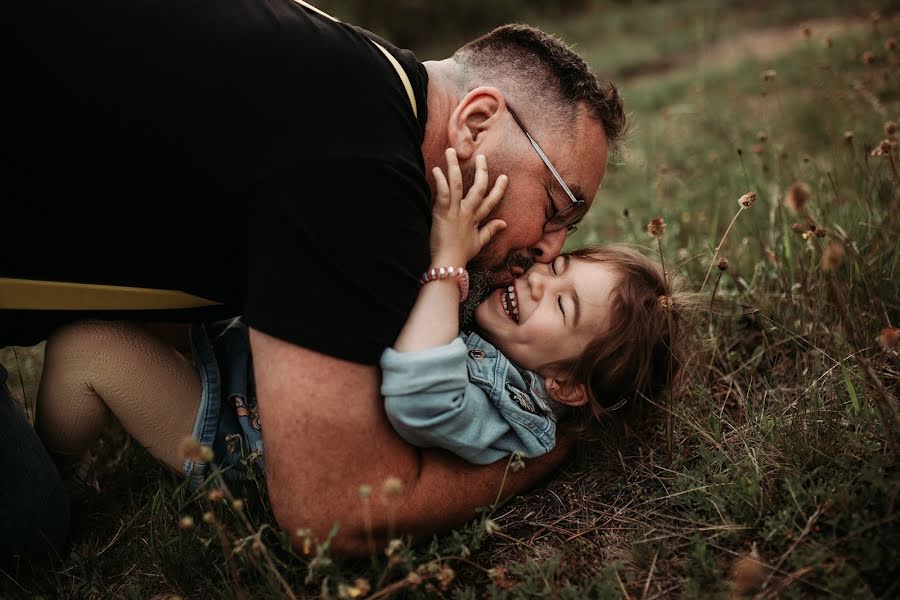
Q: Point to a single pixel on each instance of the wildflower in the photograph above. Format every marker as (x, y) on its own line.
(891, 44)
(413, 578)
(392, 487)
(762, 136)
(365, 490)
(665, 302)
(868, 57)
(747, 200)
(747, 573)
(237, 504)
(393, 547)
(848, 136)
(798, 196)
(890, 128)
(446, 577)
(768, 75)
(490, 526)
(656, 227)
(189, 448)
(516, 463)
(883, 148)
(723, 264)
(833, 255)
(216, 494)
(186, 522)
(208, 517)
(889, 338)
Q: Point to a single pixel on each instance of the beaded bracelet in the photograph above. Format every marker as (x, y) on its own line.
(461, 275)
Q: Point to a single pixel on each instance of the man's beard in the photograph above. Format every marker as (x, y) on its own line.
(481, 283)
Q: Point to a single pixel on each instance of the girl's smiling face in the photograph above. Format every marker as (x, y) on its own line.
(549, 314)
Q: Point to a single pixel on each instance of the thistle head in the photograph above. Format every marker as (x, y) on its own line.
(747, 200)
(798, 196)
(656, 227)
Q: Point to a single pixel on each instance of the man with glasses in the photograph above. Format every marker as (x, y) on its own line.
(265, 160)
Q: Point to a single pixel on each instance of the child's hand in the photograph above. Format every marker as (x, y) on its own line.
(457, 234)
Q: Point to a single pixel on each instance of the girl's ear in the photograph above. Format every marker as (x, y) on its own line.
(566, 392)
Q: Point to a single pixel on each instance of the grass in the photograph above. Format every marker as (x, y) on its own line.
(782, 479)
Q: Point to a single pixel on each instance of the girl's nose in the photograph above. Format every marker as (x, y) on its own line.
(536, 282)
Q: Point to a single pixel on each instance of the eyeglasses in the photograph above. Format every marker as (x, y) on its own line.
(568, 217)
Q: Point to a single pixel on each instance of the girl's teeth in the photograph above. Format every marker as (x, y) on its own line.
(511, 289)
(513, 302)
(515, 311)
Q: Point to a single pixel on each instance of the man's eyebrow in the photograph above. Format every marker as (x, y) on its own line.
(566, 261)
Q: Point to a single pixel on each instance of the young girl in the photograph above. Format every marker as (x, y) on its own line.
(565, 343)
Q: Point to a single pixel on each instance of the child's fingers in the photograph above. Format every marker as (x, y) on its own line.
(440, 184)
(454, 176)
(491, 201)
(488, 231)
(479, 186)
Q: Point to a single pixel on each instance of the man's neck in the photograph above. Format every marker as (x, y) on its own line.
(442, 99)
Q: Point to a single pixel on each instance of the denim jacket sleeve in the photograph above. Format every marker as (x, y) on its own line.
(439, 398)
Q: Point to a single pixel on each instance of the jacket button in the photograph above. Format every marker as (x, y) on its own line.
(476, 354)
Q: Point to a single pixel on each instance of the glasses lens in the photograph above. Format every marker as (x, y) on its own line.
(566, 217)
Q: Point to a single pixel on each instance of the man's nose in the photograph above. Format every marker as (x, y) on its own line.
(549, 246)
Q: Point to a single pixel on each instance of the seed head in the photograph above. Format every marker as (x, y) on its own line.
(890, 44)
(189, 448)
(768, 75)
(747, 573)
(797, 197)
(237, 504)
(393, 547)
(208, 517)
(365, 490)
(413, 578)
(490, 526)
(889, 338)
(800, 227)
(762, 136)
(833, 256)
(723, 264)
(827, 42)
(446, 577)
(206, 454)
(868, 57)
(186, 522)
(848, 136)
(807, 31)
(747, 200)
(360, 588)
(883, 148)
(890, 128)
(392, 487)
(216, 494)
(665, 302)
(516, 463)
(656, 227)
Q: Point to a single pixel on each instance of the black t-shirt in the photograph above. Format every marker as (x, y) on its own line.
(249, 152)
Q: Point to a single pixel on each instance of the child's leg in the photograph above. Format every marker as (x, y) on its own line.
(93, 367)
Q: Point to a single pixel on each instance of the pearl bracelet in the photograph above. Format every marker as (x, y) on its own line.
(461, 275)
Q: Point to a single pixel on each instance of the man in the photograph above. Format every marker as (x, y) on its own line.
(268, 159)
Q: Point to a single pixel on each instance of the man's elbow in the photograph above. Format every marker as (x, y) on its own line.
(319, 517)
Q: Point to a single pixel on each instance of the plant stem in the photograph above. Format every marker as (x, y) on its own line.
(719, 247)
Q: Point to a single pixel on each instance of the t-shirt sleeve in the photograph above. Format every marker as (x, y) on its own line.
(335, 251)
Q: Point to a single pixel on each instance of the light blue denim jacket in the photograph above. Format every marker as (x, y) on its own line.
(468, 398)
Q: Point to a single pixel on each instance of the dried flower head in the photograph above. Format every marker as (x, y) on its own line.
(833, 255)
(848, 136)
(890, 128)
(393, 547)
(413, 579)
(392, 487)
(747, 573)
(889, 337)
(797, 197)
(890, 44)
(747, 200)
(216, 494)
(883, 148)
(665, 302)
(186, 522)
(723, 264)
(800, 227)
(868, 57)
(206, 454)
(237, 504)
(189, 448)
(768, 75)
(365, 490)
(762, 136)
(827, 42)
(490, 526)
(516, 463)
(807, 31)
(208, 517)
(656, 227)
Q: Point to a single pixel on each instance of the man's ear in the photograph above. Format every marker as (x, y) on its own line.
(472, 118)
(566, 392)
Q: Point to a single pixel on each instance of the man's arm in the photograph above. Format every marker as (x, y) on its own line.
(326, 433)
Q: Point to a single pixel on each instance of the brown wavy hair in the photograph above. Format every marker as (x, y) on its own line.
(633, 357)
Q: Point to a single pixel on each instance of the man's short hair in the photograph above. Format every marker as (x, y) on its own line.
(539, 69)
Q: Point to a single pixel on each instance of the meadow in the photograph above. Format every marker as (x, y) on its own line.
(769, 470)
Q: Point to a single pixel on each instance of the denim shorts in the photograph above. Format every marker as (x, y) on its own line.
(227, 420)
